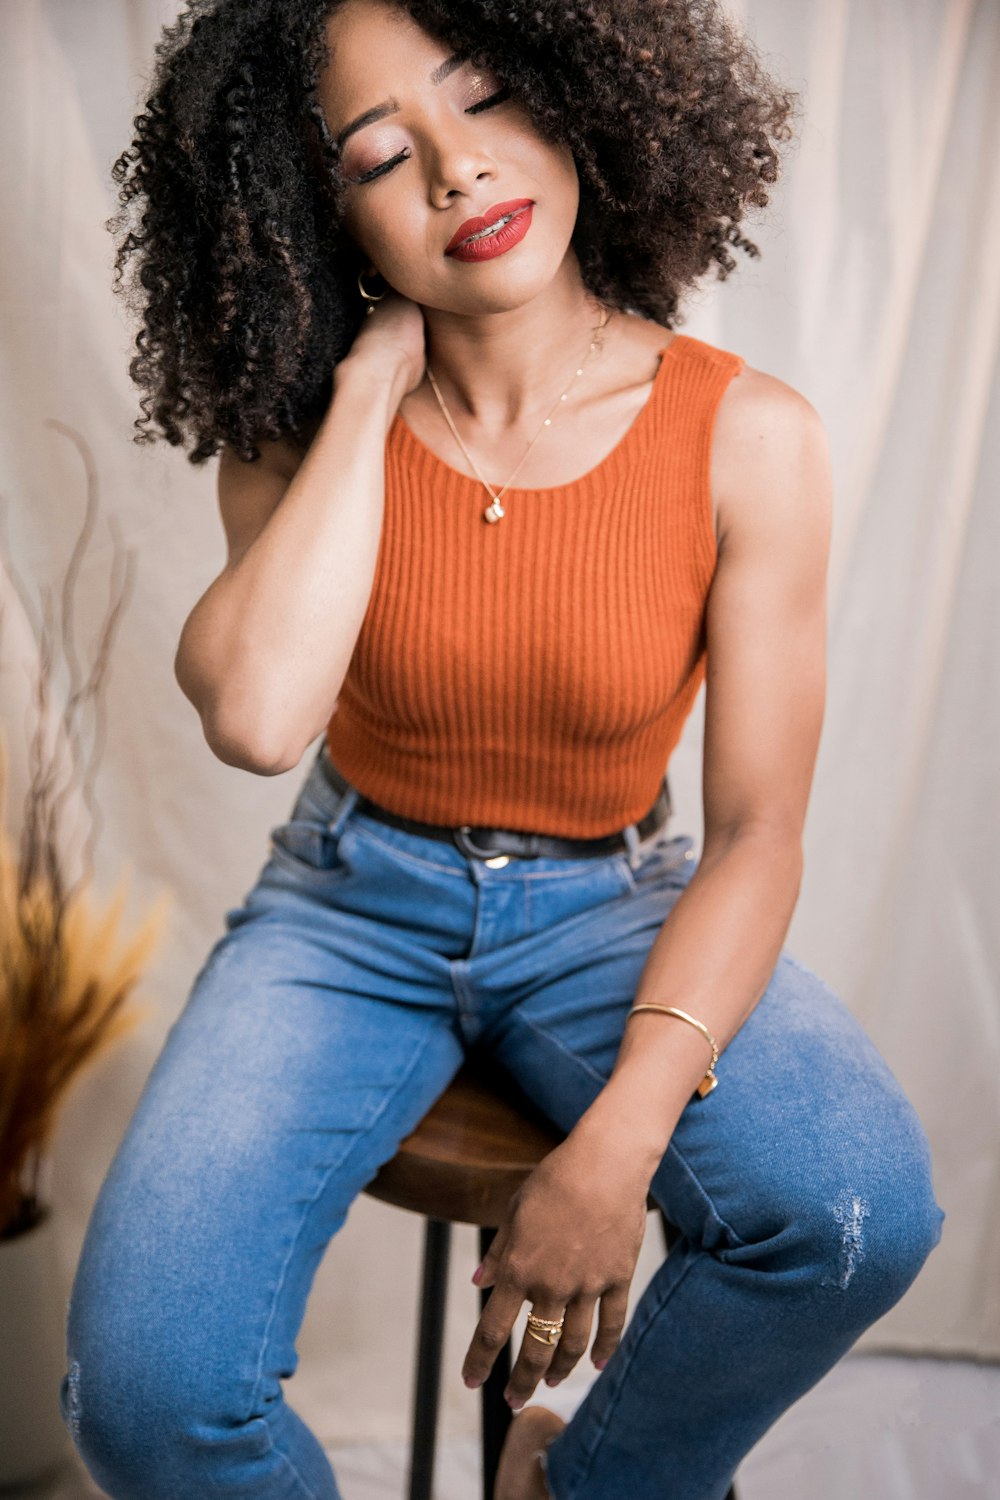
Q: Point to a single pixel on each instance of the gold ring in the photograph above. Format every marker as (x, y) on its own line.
(548, 1329)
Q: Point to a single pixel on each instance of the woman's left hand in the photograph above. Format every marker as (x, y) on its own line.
(570, 1240)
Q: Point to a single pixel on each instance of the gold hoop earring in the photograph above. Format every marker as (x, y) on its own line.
(368, 296)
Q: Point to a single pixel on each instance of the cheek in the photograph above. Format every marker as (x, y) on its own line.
(398, 237)
(371, 224)
(546, 157)
(561, 170)
(397, 233)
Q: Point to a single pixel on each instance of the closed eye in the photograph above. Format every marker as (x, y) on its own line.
(474, 109)
(497, 98)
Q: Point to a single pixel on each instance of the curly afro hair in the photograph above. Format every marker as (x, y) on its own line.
(231, 192)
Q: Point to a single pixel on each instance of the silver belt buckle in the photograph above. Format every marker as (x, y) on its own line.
(468, 845)
(494, 857)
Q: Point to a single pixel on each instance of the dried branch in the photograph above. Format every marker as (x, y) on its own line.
(62, 986)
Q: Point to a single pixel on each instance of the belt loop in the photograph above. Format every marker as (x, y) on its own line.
(348, 798)
(632, 841)
(344, 809)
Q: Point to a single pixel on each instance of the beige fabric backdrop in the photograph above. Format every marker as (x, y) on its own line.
(878, 296)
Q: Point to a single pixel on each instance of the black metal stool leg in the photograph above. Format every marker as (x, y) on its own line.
(671, 1234)
(497, 1415)
(427, 1389)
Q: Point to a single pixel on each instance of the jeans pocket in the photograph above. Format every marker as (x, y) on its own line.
(307, 848)
(667, 861)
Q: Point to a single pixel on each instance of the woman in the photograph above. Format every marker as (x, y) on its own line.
(478, 856)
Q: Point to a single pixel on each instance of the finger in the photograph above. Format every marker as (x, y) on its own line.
(610, 1323)
(534, 1358)
(485, 1274)
(573, 1340)
(492, 1332)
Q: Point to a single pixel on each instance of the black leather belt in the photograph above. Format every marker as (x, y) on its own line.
(483, 842)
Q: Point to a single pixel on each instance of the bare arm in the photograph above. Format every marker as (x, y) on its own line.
(264, 652)
(765, 692)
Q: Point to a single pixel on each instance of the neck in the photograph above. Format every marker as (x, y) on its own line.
(500, 369)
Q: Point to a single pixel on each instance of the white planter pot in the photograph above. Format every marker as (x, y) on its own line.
(33, 1436)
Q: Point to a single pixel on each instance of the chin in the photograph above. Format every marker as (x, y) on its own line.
(507, 293)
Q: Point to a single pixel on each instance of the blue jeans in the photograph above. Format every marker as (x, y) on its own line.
(320, 1029)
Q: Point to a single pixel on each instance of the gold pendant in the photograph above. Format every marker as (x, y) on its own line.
(707, 1085)
(494, 511)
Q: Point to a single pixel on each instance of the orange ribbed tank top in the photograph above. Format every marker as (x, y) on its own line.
(536, 674)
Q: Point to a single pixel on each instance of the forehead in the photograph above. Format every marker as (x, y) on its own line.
(368, 38)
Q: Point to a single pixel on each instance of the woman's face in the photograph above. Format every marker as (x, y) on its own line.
(440, 153)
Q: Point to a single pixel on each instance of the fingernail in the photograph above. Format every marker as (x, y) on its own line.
(600, 1363)
(472, 1382)
(477, 1272)
(514, 1402)
(552, 1379)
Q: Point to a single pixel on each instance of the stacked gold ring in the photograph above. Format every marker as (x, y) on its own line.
(549, 1329)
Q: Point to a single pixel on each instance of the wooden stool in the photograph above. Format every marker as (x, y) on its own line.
(469, 1153)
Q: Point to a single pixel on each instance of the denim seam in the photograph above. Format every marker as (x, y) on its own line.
(594, 864)
(307, 1209)
(415, 859)
(556, 1042)
(706, 1196)
(273, 1448)
(651, 878)
(574, 1057)
(463, 997)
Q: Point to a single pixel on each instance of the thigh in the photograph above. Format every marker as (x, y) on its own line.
(300, 1060)
(808, 1132)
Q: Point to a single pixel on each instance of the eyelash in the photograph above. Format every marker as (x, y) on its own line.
(380, 171)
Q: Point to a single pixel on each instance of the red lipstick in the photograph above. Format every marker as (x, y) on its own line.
(460, 247)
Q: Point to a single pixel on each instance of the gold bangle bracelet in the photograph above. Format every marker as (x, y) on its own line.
(709, 1081)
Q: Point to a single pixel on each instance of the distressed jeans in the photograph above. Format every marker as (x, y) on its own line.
(322, 1026)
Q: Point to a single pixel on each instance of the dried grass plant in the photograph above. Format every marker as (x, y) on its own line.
(65, 971)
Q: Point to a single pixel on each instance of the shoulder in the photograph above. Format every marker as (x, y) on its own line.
(770, 455)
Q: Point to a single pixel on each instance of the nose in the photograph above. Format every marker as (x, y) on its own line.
(458, 163)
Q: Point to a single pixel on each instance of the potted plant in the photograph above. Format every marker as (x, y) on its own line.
(65, 977)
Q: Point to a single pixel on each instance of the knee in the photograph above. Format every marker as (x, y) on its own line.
(114, 1425)
(145, 1417)
(851, 1213)
(854, 1199)
(154, 1437)
(877, 1239)
(126, 1413)
(877, 1226)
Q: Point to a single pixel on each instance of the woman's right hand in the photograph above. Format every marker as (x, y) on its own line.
(393, 338)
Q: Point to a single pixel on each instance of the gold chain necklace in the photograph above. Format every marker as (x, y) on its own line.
(495, 510)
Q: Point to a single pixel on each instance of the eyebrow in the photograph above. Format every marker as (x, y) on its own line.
(391, 106)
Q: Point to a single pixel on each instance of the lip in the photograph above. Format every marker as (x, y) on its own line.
(488, 216)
